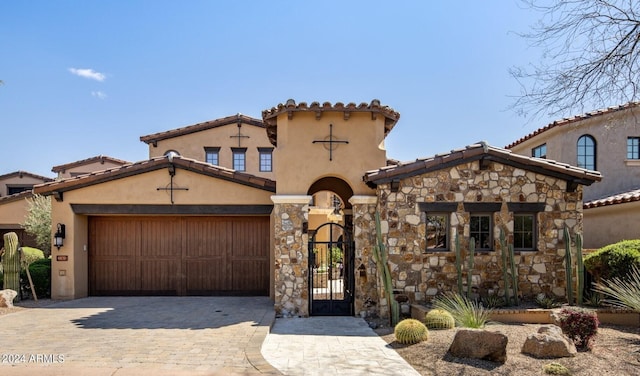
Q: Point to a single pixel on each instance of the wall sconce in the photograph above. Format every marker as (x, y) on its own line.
(58, 237)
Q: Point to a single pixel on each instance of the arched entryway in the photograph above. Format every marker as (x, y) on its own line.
(331, 256)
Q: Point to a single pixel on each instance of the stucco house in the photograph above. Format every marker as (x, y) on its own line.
(608, 141)
(15, 189)
(85, 166)
(205, 216)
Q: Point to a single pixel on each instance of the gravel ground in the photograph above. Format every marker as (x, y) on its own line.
(616, 352)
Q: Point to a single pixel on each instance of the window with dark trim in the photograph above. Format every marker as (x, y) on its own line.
(524, 232)
(481, 229)
(633, 147)
(539, 151)
(212, 155)
(437, 216)
(13, 189)
(266, 159)
(437, 231)
(587, 152)
(239, 159)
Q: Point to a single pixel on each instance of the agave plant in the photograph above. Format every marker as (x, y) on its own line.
(622, 292)
(467, 313)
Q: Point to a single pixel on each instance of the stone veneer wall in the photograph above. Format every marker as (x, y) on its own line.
(367, 282)
(291, 256)
(423, 275)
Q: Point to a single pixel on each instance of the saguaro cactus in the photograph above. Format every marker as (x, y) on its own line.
(472, 251)
(505, 274)
(580, 267)
(380, 254)
(11, 263)
(567, 264)
(459, 264)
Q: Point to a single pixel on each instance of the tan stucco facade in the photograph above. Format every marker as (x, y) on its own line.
(87, 168)
(602, 224)
(70, 277)
(225, 138)
(13, 212)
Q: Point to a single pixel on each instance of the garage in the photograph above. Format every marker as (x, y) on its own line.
(179, 255)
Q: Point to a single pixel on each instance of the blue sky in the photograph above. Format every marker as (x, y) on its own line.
(84, 78)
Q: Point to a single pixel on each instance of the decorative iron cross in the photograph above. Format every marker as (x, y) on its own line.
(330, 142)
(239, 136)
(170, 187)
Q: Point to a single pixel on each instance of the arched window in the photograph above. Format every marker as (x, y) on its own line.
(587, 152)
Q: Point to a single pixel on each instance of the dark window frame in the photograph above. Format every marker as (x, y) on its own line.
(239, 152)
(478, 246)
(445, 209)
(212, 150)
(534, 228)
(447, 230)
(587, 154)
(262, 166)
(633, 149)
(536, 152)
(524, 208)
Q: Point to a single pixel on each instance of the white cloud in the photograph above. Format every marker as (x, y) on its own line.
(99, 94)
(88, 73)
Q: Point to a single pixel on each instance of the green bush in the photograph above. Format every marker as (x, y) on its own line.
(40, 271)
(30, 255)
(614, 260)
(580, 325)
(410, 331)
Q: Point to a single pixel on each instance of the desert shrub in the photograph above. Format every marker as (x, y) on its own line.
(410, 331)
(467, 313)
(622, 292)
(439, 319)
(580, 325)
(493, 301)
(30, 255)
(614, 260)
(40, 271)
(546, 302)
(555, 369)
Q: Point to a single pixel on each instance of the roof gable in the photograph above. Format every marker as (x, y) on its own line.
(24, 173)
(270, 116)
(573, 120)
(100, 158)
(153, 164)
(235, 119)
(483, 152)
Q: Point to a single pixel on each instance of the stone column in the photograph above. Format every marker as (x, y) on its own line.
(291, 275)
(367, 298)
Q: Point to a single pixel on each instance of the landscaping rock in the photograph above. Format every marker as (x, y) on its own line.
(480, 344)
(6, 298)
(549, 342)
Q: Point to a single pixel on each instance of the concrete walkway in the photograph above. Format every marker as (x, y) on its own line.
(331, 346)
(158, 336)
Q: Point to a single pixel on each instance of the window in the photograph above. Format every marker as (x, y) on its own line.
(524, 232)
(480, 230)
(212, 155)
(633, 147)
(266, 164)
(12, 190)
(436, 232)
(239, 159)
(539, 151)
(587, 152)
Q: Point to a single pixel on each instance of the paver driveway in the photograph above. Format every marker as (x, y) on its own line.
(145, 335)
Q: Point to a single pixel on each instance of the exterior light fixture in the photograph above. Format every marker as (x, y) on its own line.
(58, 237)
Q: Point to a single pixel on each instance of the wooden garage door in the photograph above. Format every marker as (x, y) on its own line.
(179, 255)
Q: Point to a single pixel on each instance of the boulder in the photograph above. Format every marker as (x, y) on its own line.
(6, 297)
(479, 344)
(549, 342)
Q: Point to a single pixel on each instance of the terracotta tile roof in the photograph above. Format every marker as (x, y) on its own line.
(24, 173)
(290, 107)
(16, 197)
(574, 119)
(234, 119)
(157, 163)
(619, 198)
(98, 158)
(481, 151)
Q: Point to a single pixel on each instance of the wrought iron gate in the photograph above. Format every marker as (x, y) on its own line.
(331, 271)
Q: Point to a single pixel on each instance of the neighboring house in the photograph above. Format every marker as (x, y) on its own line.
(608, 141)
(177, 224)
(15, 189)
(85, 166)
